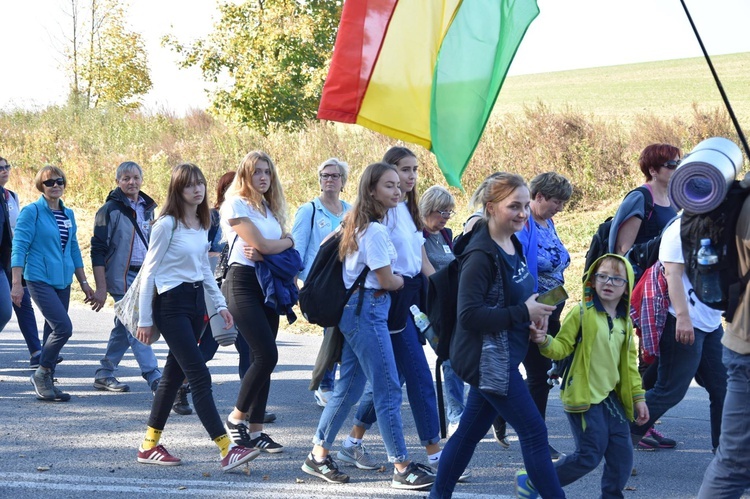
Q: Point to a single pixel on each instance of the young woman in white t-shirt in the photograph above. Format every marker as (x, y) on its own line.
(177, 265)
(405, 225)
(367, 353)
(252, 219)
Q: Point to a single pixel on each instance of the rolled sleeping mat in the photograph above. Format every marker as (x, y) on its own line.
(704, 176)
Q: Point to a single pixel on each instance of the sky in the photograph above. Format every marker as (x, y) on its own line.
(568, 34)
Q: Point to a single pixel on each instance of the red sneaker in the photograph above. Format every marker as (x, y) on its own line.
(237, 456)
(158, 455)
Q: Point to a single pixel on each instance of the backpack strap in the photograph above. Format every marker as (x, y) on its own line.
(359, 283)
(648, 200)
(312, 216)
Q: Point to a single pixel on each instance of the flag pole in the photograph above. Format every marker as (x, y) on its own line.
(718, 83)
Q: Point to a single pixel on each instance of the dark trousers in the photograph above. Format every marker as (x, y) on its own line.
(208, 347)
(536, 366)
(53, 303)
(179, 313)
(259, 326)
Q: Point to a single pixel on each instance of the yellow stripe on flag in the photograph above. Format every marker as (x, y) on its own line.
(397, 101)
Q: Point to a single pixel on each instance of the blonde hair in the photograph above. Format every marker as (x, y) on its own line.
(50, 172)
(436, 198)
(242, 186)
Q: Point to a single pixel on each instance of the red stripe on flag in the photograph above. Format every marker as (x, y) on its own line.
(362, 29)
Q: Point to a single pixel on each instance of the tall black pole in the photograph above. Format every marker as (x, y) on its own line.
(718, 83)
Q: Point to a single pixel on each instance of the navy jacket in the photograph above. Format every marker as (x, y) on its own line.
(277, 275)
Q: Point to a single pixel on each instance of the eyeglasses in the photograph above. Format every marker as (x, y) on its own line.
(52, 181)
(617, 282)
(331, 176)
(671, 164)
(5, 168)
(446, 214)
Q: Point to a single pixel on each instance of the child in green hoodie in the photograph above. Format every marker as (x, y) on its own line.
(602, 390)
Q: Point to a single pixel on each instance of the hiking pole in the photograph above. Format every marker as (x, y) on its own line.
(718, 83)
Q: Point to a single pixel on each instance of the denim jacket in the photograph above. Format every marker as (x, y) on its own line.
(37, 247)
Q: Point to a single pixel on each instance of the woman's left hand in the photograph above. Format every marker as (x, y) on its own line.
(228, 319)
(145, 334)
(253, 254)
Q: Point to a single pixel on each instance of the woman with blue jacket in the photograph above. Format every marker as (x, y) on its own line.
(46, 254)
(312, 223)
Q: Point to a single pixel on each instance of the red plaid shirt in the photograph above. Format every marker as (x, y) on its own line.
(650, 306)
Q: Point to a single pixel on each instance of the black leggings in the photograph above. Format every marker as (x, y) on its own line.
(259, 325)
(179, 314)
(536, 366)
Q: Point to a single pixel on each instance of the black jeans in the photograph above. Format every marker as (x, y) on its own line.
(208, 347)
(536, 366)
(259, 326)
(179, 314)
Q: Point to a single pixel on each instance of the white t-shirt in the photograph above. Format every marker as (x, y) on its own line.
(236, 207)
(375, 250)
(406, 239)
(175, 255)
(670, 251)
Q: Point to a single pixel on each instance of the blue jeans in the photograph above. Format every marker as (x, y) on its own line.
(606, 435)
(519, 411)
(728, 475)
(453, 389)
(119, 341)
(367, 355)
(53, 303)
(5, 303)
(412, 367)
(26, 321)
(179, 314)
(678, 364)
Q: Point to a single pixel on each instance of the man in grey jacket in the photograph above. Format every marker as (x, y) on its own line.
(118, 248)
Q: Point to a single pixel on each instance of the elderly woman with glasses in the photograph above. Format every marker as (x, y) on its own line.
(46, 254)
(312, 223)
(436, 206)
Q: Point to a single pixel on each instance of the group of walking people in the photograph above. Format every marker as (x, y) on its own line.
(391, 241)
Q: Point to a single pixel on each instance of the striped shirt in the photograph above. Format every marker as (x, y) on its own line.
(63, 223)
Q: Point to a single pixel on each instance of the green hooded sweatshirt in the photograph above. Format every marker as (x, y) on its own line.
(576, 394)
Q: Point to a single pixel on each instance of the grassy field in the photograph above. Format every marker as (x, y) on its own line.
(589, 125)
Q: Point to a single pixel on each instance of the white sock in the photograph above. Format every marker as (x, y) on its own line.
(433, 458)
(235, 420)
(316, 459)
(352, 442)
(254, 434)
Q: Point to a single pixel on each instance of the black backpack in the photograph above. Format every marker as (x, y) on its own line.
(719, 225)
(324, 295)
(643, 255)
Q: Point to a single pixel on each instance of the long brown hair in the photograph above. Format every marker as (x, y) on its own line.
(365, 208)
(221, 188)
(182, 175)
(393, 156)
(242, 186)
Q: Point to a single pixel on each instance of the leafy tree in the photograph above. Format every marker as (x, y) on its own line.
(108, 62)
(269, 59)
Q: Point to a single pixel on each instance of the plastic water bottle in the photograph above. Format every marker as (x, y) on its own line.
(710, 285)
(420, 319)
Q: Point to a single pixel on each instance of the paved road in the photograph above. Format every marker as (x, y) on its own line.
(87, 446)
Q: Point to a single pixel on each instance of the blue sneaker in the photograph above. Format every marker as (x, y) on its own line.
(524, 488)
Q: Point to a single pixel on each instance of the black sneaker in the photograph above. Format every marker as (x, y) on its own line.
(239, 434)
(181, 405)
(111, 384)
(264, 443)
(328, 470)
(269, 417)
(415, 477)
(555, 454)
(44, 387)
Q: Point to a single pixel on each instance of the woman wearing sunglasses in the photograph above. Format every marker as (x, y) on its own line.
(46, 254)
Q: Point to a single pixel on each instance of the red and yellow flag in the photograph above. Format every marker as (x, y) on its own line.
(424, 71)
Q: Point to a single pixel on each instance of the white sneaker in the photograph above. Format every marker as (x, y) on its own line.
(321, 397)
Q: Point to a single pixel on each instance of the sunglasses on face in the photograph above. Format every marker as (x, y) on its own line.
(5, 168)
(52, 181)
(671, 164)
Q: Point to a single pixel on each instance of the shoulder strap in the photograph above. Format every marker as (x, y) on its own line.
(648, 200)
(312, 216)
